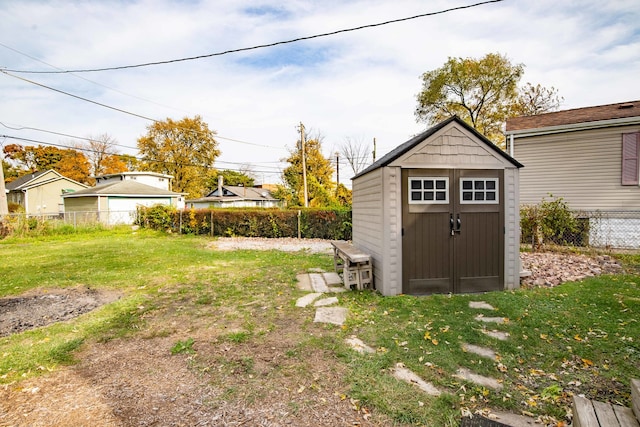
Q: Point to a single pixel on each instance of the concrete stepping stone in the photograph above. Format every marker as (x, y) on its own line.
(317, 283)
(325, 301)
(358, 345)
(499, 335)
(481, 305)
(334, 315)
(307, 299)
(316, 270)
(481, 380)
(304, 282)
(480, 351)
(332, 279)
(481, 318)
(401, 373)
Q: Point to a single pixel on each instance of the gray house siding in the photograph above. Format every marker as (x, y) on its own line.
(583, 167)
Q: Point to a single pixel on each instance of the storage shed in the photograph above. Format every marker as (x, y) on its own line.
(440, 214)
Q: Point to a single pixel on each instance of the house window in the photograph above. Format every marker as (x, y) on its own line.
(630, 158)
(479, 190)
(428, 190)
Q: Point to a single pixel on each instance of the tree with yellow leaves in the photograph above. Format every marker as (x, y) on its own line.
(185, 149)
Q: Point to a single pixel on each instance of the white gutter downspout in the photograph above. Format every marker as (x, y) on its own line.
(511, 145)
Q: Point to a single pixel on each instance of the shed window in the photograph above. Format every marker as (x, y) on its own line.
(425, 190)
(630, 156)
(479, 190)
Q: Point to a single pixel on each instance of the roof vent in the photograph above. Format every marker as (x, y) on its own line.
(624, 106)
(264, 194)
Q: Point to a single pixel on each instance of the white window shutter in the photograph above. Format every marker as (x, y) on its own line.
(630, 158)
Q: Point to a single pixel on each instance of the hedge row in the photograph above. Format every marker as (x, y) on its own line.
(306, 223)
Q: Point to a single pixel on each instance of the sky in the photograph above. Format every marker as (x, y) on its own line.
(353, 86)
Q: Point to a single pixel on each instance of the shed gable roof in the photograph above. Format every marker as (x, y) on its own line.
(622, 110)
(446, 149)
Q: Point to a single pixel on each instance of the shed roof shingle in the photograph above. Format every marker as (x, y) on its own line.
(577, 115)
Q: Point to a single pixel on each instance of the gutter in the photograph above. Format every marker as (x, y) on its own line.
(572, 127)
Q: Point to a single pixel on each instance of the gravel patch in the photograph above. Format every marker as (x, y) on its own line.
(263, 244)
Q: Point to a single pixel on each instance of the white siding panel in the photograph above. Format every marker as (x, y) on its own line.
(512, 230)
(582, 167)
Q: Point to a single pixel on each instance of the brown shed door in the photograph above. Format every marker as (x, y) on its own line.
(453, 230)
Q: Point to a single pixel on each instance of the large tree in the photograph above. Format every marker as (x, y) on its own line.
(185, 149)
(68, 162)
(320, 185)
(484, 92)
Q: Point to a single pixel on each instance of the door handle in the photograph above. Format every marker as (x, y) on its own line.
(451, 224)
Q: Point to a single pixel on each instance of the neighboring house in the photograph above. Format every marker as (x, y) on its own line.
(116, 201)
(439, 214)
(231, 196)
(589, 157)
(40, 193)
(153, 179)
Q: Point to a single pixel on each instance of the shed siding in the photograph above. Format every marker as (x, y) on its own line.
(583, 167)
(367, 220)
(392, 214)
(512, 230)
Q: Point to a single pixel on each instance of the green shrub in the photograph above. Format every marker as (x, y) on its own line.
(256, 222)
(550, 221)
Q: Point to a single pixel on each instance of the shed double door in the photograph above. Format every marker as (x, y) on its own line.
(452, 231)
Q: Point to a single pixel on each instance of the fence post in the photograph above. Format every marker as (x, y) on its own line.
(180, 223)
(211, 216)
(299, 226)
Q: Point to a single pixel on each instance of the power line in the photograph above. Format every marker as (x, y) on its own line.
(124, 111)
(261, 46)
(165, 162)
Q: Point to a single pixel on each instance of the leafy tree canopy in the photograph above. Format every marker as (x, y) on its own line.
(185, 149)
(68, 162)
(231, 177)
(320, 185)
(484, 92)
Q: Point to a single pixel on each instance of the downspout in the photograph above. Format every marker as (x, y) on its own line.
(511, 145)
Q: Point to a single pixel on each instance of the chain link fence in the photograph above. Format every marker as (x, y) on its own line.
(593, 229)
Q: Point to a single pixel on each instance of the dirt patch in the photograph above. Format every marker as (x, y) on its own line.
(41, 307)
(263, 381)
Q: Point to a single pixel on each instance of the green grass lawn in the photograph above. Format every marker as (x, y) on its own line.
(576, 338)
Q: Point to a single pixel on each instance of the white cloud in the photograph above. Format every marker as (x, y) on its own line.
(358, 84)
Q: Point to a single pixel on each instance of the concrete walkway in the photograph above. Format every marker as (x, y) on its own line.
(319, 284)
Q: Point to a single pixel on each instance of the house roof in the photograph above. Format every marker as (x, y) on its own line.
(27, 181)
(18, 183)
(238, 193)
(599, 113)
(123, 188)
(135, 173)
(403, 148)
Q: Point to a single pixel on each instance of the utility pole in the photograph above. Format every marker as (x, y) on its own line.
(337, 169)
(304, 166)
(374, 149)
